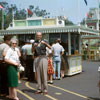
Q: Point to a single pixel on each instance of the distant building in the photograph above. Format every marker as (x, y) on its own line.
(52, 28)
(37, 22)
(93, 18)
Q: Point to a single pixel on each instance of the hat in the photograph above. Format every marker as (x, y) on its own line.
(31, 41)
(58, 40)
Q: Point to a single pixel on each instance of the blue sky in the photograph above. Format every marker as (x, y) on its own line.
(71, 10)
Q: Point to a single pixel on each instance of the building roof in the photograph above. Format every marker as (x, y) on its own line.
(45, 29)
(91, 37)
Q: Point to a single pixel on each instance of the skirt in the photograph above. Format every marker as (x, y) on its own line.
(12, 76)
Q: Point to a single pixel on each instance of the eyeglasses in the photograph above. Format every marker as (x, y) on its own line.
(14, 43)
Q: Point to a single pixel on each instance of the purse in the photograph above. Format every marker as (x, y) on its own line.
(99, 69)
(21, 68)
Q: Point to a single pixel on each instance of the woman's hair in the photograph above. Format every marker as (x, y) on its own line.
(13, 41)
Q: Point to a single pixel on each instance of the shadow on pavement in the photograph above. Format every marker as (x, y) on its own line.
(28, 90)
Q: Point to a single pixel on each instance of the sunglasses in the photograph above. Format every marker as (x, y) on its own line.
(14, 43)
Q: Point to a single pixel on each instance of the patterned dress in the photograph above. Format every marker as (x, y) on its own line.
(50, 67)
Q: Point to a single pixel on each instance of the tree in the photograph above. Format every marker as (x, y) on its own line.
(38, 12)
(83, 22)
(12, 11)
(68, 22)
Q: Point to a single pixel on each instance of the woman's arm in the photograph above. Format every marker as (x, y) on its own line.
(18, 52)
(11, 62)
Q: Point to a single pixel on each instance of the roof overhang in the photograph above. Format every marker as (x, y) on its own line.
(91, 37)
(66, 29)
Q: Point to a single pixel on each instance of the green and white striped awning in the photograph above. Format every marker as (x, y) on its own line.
(66, 29)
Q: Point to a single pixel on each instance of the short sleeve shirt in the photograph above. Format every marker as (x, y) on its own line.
(12, 55)
(3, 48)
(28, 49)
(57, 49)
(40, 49)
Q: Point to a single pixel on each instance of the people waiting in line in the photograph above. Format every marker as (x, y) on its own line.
(36, 58)
(49, 54)
(3, 65)
(12, 58)
(50, 69)
(58, 50)
(41, 63)
(29, 61)
(63, 66)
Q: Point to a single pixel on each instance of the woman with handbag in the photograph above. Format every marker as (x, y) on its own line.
(12, 58)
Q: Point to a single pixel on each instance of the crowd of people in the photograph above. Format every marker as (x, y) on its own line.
(42, 63)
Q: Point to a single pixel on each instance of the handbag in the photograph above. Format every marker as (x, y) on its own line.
(21, 68)
(99, 69)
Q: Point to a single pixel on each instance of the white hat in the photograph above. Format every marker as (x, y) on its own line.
(31, 41)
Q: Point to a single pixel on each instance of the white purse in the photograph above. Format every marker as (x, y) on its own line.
(21, 68)
(99, 69)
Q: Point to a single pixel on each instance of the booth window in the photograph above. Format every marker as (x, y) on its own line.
(53, 37)
(23, 38)
(74, 43)
(64, 41)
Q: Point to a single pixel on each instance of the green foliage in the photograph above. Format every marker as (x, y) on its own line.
(12, 10)
(38, 12)
(68, 22)
(83, 22)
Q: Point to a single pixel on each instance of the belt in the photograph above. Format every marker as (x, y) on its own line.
(41, 55)
(29, 55)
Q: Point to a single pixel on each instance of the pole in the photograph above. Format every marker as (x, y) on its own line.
(98, 13)
(13, 19)
(26, 18)
(85, 21)
(2, 20)
(78, 12)
(26, 14)
(69, 43)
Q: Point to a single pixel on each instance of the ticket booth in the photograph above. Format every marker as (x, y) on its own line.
(74, 56)
(71, 43)
(70, 37)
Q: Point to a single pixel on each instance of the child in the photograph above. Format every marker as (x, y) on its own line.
(50, 69)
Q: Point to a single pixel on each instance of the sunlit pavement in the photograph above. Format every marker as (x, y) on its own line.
(78, 87)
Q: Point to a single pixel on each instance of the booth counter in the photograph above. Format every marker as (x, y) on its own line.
(74, 64)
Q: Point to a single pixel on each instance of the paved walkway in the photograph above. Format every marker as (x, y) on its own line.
(78, 87)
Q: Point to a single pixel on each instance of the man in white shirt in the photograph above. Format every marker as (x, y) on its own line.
(29, 61)
(3, 67)
(58, 50)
